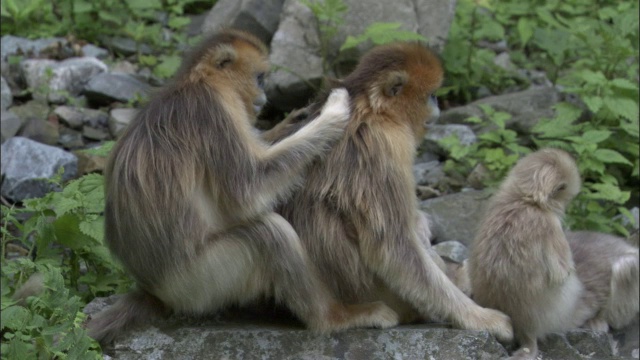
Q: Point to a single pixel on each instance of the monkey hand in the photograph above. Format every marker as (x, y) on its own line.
(335, 113)
(493, 321)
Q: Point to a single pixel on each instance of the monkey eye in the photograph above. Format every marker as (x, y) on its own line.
(260, 79)
(560, 187)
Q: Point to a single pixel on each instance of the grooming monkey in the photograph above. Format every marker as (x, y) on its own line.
(190, 191)
(520, 262)
(357, 213)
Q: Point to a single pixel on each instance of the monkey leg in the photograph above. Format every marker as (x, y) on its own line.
(407, 269)
(528, 349)
(262, 257)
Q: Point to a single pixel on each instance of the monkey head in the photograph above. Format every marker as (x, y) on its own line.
(548, 178)
(232, 61)
(398, 82)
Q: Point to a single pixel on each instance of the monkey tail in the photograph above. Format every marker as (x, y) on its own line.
(130, 310)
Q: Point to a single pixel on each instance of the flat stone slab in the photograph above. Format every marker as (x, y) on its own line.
(268, 332)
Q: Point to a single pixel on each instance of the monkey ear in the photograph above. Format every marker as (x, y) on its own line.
(395, 82)
(224, 56)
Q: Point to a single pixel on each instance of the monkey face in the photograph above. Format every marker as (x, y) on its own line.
(237, 66)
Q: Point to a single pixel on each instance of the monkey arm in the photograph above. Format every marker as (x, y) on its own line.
(557, 252)
(291, 124)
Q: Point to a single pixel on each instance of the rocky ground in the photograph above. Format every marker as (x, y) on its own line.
(60, 96)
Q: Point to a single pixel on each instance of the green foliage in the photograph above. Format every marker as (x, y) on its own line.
(468, 66)
(497, 150)
(50, 326)
(157, 23)
(591, 50)
(381, 33)
(63, 233)
(329, 15)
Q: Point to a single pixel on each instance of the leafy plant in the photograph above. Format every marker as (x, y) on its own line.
(468, 66)
(496, 150)
(63, 234)
(329, 15)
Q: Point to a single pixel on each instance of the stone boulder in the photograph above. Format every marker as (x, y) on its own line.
(6, 95)
(295, 47)
(258, 17)
(526, 108)
(56, 77)
(269, 332)
(109, 87)
(27, 164)
(455, 216)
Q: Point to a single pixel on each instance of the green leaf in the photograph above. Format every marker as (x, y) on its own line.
(608, 192)
(594, 103)
(525, 29)
(168, 66)
(611, 156)
(67, 231)
(624, 107)
(94, 227)
(144, 4)
(596, 136)
(178, 22)
(624, 84)
(593, 77)
(15, 318)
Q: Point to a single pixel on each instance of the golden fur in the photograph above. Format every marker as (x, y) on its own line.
(357, 213)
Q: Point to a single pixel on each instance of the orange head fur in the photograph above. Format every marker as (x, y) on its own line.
(230, 60)
(396, 82)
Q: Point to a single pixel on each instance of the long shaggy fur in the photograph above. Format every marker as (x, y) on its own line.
(357, 211)
(520, 261)
(190, 195)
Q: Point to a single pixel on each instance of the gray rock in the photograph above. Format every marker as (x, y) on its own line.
(428, 173)
(119, 119)
(295, 47)
(69, 75)
(124, 67)
(272, 334)
(70, 139)
(77, 117)
(40, 130)
(10, 124)
(537, 77)
(14, 45)
(455, 216)
(33, 109)
(106, 88)
(5, 93)
(425, 156)
(295, 55)
(126, 46)
(503, 60)
(439, 132)
(258, 17)
(94, 134)
(452, 250)
(26, 163)
(95, 51)
(627, 340)
(196, 25)
(526, 108)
